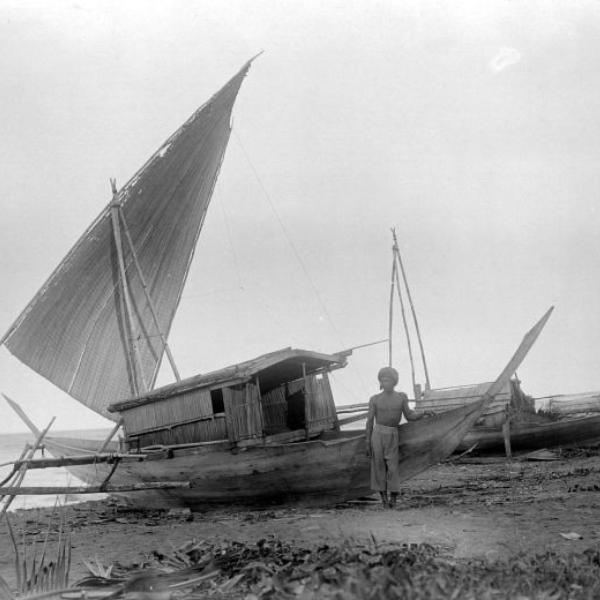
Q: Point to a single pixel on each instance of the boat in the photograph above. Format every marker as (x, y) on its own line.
(570, 404)
(535, 435)
(511, 421)
(264, 430)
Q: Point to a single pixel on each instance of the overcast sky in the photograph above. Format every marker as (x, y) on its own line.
(471, 127)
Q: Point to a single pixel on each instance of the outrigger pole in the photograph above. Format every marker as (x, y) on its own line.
(10, 487)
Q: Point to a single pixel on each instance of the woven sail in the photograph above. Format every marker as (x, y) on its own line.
(76, 331)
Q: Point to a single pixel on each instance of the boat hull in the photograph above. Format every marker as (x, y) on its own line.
(315, 472)
(532, 436)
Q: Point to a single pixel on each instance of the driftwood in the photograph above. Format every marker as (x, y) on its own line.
(92, 489)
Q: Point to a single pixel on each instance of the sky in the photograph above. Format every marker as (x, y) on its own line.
(470, 127)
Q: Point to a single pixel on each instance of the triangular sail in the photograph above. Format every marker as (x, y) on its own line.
(74, 332)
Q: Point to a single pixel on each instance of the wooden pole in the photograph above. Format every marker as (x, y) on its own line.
(506, 434)
(517, 358)
(391, 311)
(20, 475)
(352, 408)
(135, 359)
(136, 262)
(22, 415)
(93, 489)
(414, 313)
(407, 333)
(82, 459)
(110, 436)
(307, 394)
(349, 351)
(353, 418)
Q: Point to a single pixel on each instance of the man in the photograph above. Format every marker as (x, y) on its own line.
(386, 410)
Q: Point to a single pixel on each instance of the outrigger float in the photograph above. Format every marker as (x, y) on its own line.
(265, 430)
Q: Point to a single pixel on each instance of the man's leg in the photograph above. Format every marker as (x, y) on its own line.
(378, 468)
(392, 458)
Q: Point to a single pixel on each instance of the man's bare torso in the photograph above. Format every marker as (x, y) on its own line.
(388, 408)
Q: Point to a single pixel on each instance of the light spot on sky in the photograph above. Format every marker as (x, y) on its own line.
(506, 57)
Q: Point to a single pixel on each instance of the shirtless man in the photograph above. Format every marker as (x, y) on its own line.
(385, 411)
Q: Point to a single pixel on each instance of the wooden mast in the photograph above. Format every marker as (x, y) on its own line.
(412, 307)
(416, 389)
(136, 262)
(391, 310)
(133, 351)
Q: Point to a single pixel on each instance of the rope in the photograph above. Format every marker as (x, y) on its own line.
(289, 241)
(296, 253)
(230, 240)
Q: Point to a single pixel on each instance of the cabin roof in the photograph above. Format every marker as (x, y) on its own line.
(273, 369)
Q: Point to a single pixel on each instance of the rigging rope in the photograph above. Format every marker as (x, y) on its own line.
(295, 252)
(230, 239)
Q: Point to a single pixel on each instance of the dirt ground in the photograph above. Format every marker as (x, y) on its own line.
(468, 509)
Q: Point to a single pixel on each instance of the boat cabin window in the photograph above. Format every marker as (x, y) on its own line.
(216, 398)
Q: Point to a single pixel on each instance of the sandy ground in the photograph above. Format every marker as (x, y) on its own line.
(487, 510)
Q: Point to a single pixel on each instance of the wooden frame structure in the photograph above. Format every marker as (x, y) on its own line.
(283, 395)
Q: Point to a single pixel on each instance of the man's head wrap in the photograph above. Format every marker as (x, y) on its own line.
(388, 372)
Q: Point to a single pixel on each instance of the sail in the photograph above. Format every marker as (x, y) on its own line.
(76, 331)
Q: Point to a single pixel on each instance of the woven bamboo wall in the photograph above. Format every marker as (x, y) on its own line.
(321, 414)
(180, 419)
(208, 430)
(243, 412)
(274, 410)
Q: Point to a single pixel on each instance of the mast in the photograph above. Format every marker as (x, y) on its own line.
(133, 355)
(412, 308)
(397, 266)
(406, 331)
(391, 311)
(136, 262)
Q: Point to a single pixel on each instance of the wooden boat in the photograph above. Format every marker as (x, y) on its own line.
(570, 404)
(509, 421)
(534, 435)
(329, 468)
(257, 431)
(512, 421)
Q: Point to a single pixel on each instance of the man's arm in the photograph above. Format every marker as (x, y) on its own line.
(410, 415)
(370, 419)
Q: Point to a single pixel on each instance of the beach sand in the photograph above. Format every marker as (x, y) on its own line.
(485, 510)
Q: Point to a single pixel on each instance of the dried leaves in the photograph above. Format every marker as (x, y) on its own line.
(352, 570)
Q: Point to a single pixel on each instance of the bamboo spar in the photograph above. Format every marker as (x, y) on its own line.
(20, 474)
(133, 351)
(406, 330)
(93, 489)
(412, 308)
(391, 313)
(138, 267)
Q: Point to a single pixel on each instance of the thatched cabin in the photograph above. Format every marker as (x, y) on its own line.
(284, 395)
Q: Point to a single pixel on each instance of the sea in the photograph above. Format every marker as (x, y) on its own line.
(11, 447)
